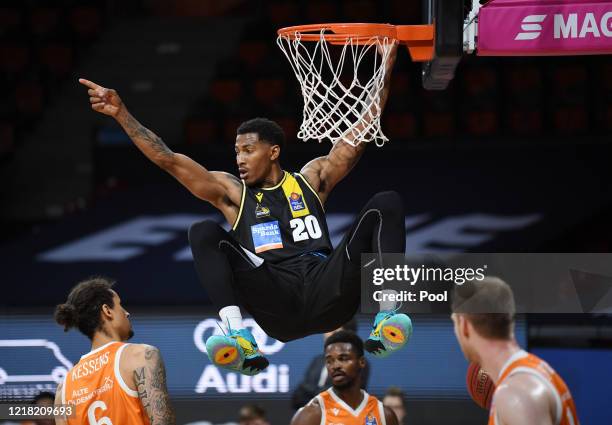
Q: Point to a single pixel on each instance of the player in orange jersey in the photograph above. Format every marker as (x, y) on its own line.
(528, 391)
(116, 382)
(345, 402)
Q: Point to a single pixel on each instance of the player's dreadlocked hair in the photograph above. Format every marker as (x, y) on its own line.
(85, 301)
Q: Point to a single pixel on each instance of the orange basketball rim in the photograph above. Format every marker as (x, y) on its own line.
(419, 39)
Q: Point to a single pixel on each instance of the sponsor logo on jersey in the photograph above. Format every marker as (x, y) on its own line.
(266, 236)
(261, 211)
(84, 395)
(259, 196)
(335, 411)
(296, 202)
(370, 420)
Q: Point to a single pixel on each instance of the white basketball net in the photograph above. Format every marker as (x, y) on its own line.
(339, 106)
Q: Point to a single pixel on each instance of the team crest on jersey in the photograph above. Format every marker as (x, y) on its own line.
(259, 196)
(370, 420)
(296, 201)
(261, 211)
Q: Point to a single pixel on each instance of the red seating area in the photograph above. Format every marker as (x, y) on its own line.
(41, 42)
(489, 98)
(39, 45)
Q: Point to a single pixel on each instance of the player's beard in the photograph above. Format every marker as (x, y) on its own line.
(344, 385)
(130, 334)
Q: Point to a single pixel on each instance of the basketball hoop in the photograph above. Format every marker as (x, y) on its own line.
(342, 87)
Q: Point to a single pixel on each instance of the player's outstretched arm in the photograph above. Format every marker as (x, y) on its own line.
(390, 417)
(308, 415)
(325, 172)
(149, 379)
(58, 402)
(221, 189)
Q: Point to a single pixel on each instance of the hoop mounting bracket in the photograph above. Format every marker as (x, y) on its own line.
(419, 39)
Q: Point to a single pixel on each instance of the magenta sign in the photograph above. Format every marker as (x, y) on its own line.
(526, 28)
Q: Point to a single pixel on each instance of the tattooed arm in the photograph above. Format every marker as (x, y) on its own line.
(223, 190)
(142, 367)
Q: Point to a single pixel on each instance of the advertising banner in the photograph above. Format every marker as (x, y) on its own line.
(35, 355)
(524, 28)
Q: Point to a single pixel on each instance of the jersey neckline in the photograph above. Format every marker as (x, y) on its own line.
(514, 357)
(279, 184)
(345, 406)
(102, 347)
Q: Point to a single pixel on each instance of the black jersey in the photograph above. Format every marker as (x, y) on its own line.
(283, 221)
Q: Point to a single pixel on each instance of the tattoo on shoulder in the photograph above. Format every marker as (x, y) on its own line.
(137, 130)
(150, 381)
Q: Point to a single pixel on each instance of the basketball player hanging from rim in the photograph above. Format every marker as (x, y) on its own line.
(277, 261)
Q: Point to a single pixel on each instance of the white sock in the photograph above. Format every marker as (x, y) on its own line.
(385, 304)
(231, 317)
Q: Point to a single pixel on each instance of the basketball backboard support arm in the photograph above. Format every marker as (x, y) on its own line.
(447, 18)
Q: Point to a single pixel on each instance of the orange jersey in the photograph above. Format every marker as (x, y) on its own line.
(524, 362)
(334, 411)
(100, 396)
